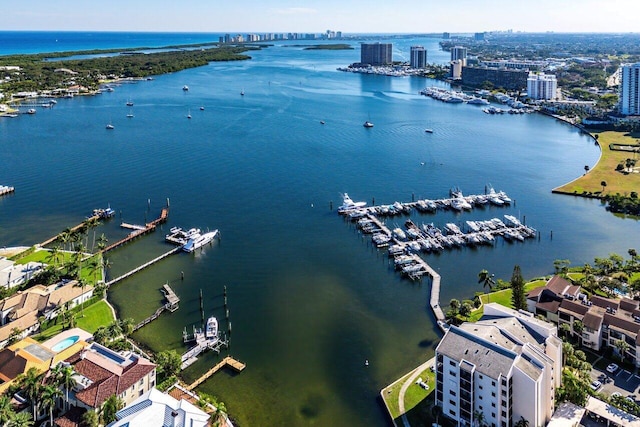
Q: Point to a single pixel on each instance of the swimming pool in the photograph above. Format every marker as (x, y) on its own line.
(65, 343)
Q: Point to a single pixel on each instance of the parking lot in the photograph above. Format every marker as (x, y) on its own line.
(622, 381)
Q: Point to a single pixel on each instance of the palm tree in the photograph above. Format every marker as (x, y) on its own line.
(578, 327)
(114, 330)
(31, 383)
(221, 412)
(65, 237)
(90, 419)
(48, 398)
(94, 267)
(63, 376)
(53, 255)
(478, 418)
(112, 405)
(522, 422)
(126, 326)
(622, 347)
(102, 242)
(604, 185)
(6, 410)
(487, 280)
(21, 419)
(81, 283)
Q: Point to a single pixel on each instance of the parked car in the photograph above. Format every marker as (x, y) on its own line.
(612, 368)
(595, 386)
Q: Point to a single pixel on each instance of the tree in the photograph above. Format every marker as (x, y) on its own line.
(48, 398)
(586, 168)
(21, 419)
(126, 326)
(522, 422)
(63, 377)
(169, 363)
(465, 309)
(6, 410)
(478, 419)
(31, 383)
(561, 266)
(487, 280)
(518, 297)
(81, 283)
(101, 335)
(578, 327)
(109, 409)
(564, 328)
(621, 347)
(102, 242)
(604, 185)
(14, 336)
(90, 419)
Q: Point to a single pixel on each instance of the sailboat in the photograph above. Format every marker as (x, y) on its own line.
(130, 115)
(189, 114)
(129, 103)
(242, 92)
(110, 126)
(368, 123)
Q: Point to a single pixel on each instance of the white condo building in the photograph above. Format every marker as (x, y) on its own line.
(630, 89)
(505, 367)
(542, 86)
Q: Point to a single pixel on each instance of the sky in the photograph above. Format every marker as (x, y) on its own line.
(316, 16)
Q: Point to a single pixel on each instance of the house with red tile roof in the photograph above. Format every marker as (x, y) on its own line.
(101, 373)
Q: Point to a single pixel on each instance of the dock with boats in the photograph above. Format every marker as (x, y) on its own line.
(139, 230)
(5, 189)
(191, 239)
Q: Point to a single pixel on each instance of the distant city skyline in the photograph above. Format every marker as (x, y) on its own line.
(313, 16)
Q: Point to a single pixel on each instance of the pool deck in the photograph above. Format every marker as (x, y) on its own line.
(81, 333)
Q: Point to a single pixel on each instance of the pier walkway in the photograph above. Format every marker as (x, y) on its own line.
(171, 305)
(227, 361)
(143, 266)
(82, 224)
(139, 230)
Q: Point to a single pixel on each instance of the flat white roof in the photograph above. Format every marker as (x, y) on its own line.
(606, 411)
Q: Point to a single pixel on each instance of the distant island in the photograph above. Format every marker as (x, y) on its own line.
(337, 46)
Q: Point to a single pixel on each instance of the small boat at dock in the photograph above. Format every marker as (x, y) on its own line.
(199, 240)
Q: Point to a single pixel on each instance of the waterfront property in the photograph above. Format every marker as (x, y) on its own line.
(22, 311)
(503, 367)
(605, 321)
(13, 274)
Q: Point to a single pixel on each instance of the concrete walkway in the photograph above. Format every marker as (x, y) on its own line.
(412, 378)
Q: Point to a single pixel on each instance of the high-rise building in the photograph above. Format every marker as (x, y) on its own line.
(479, 37)
(418, 57)
(542, 86)
(459, 53)
(630, 89)
(506, 366)
(456, 69)
(376, 53)
(446, 36)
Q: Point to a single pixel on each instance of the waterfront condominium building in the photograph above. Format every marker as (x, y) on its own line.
(505, 367)
(459, 53)
(542, 86)
(376, 53)
(630, 89)
(418, 57)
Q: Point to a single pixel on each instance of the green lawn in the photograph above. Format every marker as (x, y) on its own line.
(99, 314)
(44, 256)
(605, 169)
(414, 394)
(502, 297)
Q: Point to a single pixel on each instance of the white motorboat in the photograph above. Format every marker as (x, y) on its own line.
(211, 330)
(348, 204)
(110, 126)
(198, 240)
(368, 124)
(31, 111)
(185, 88)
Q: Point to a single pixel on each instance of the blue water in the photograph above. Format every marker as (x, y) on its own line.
(309, 298)
(65, 343)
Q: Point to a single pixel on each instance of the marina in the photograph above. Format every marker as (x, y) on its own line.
(191, 239)
(403, 244)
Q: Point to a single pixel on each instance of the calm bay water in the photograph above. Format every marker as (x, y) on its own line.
(309, 298)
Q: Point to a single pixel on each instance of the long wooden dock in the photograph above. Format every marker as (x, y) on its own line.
(227, 361)
(139, 230)
(171, 305)
(57, 236)
(143, 266)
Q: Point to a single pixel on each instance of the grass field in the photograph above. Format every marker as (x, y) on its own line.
(605, 170)
(44, 256)
(414, 395)
(99, 314)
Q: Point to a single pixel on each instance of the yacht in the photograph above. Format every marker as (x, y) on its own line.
(129, 103)
(198, 240)
(211, 330)
(31, 111)
(428, 130)
(185, 88)
(368, 124)
(110, 126)
(348, 204)
(242, 92)
(201, 108)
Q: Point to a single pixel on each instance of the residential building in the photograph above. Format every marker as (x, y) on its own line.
(101, 373)
(446, 35)
(456, 69)
(515, 64)
(479, 37)
(479, 367)
(12, 274)
(418, 57)
(23, 310)
(630, 90)
(376, 53)
(459, 53)
(604, 321)
(504, 78)
(155, 408)
(542, 86)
